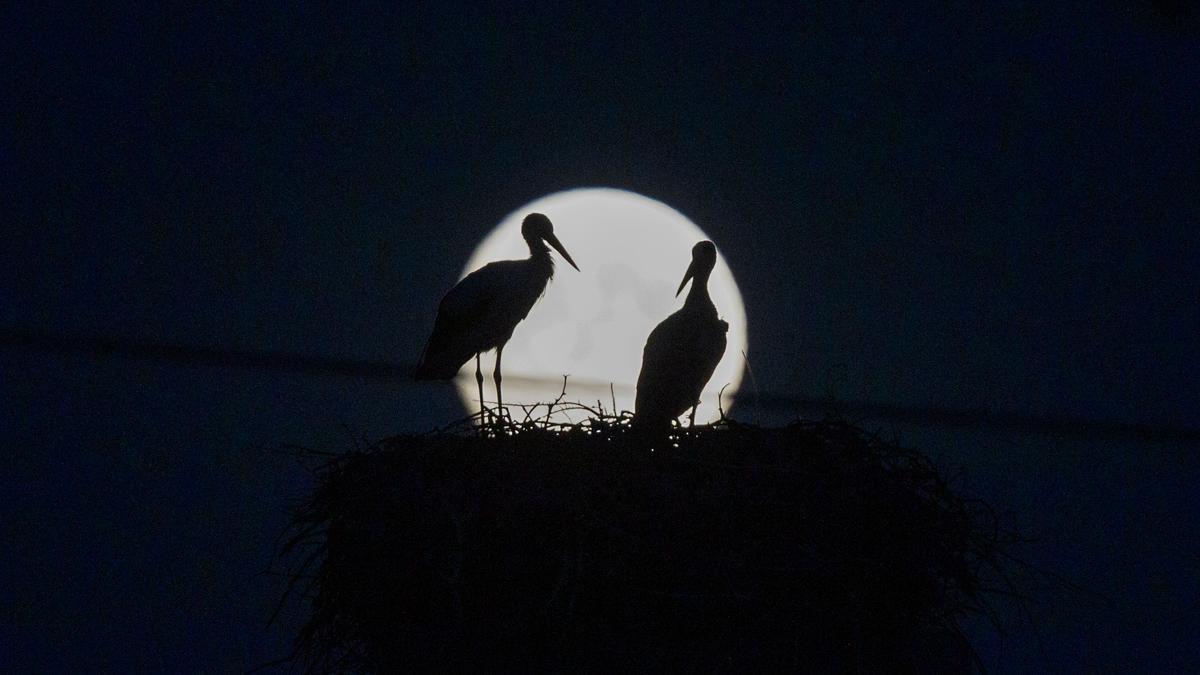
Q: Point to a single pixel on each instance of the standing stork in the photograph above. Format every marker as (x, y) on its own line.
(683, 351)
(482, 310)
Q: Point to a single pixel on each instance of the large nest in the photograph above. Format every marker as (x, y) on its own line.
(814, 546)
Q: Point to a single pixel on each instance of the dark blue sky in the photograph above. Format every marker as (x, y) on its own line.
(924, 205)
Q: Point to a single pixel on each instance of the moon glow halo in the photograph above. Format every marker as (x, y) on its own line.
(592, 325)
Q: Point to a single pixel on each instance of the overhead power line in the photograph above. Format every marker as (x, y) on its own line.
(287, 362)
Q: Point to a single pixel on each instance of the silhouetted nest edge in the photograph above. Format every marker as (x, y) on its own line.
(815, 546)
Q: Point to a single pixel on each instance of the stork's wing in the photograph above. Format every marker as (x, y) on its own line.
(450, 344)
(679, 358)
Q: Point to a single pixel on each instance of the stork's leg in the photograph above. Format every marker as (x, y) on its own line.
(692, 417)
(497, 378)
(479, 381)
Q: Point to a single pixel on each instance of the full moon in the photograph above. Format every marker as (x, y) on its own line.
(591, 325)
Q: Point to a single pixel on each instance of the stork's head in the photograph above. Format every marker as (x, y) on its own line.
(704, 259)
(536, 228)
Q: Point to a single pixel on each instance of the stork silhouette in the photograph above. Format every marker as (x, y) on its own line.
(482, 310)
(683, 351)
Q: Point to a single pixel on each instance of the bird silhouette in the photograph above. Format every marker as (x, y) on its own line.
(482, 310)
(683, 351)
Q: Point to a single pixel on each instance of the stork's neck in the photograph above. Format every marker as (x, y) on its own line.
(539, 254)
(697, 297)
(537, 247)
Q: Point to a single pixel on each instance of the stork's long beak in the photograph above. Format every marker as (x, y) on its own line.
(553, 241)
(691, 272)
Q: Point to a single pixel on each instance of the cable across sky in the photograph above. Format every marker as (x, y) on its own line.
(49, 343)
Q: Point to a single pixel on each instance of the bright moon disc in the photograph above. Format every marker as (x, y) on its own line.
(592, 325)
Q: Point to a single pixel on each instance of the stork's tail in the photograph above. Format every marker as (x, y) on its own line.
(651, 422)
(432, 369)
(438, 364)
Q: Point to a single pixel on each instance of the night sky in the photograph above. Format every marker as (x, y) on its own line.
(927, 206)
